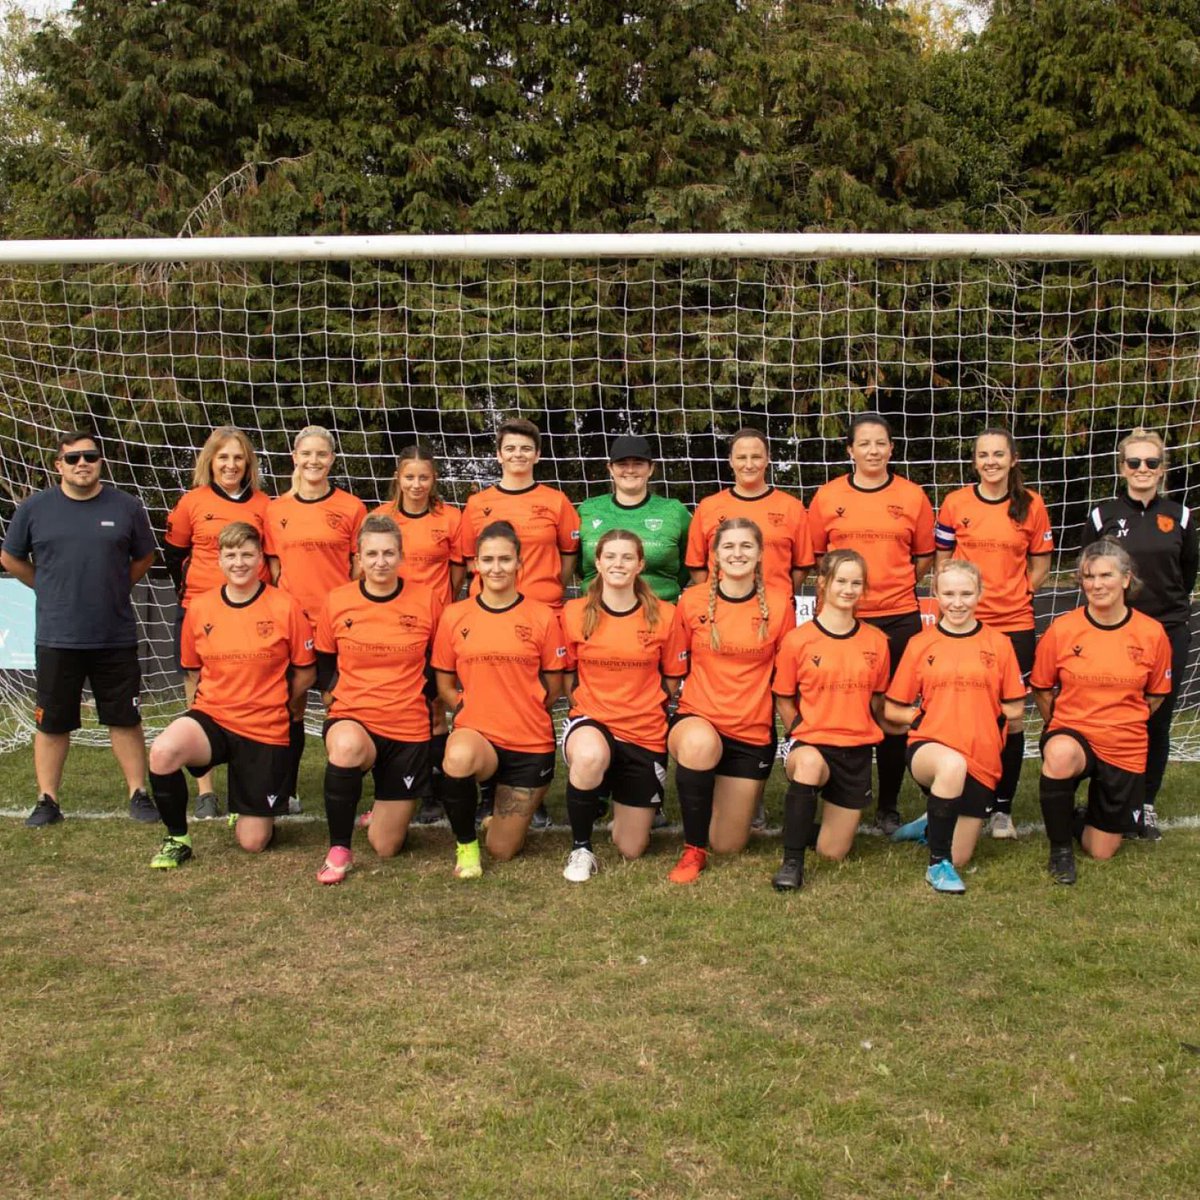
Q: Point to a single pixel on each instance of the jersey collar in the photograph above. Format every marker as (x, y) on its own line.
(887, 483)
(262, 587)
(840, 637)
(362, 588)
(487, 608)
(1109, 628)
(752, 499)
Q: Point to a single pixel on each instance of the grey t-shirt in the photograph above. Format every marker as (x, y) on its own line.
(82, 550)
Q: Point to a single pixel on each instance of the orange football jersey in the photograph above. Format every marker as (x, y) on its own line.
(431, 542)
(195, 524)
(315, 542)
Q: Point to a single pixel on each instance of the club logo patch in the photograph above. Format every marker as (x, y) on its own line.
(407, 620)
(523, 632)
(776, 518)
(264, 629)
(334, 520)
(895, 511)
(1135, 652)
(654, 524)
(645, 638)
(1165, 524)
(871, 658)
(988, 658)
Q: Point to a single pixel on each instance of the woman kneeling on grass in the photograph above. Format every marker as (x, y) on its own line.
(1099, 673)
(373, 640)
(249, 650)
(958, 691)
(499, 658)
(830, 677)
(723, 736)
(622, 649)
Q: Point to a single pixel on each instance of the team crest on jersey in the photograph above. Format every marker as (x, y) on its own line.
(1135, 652)
(988, 658)
(523, 632)
(438, 536)
(776, 518)
(1165, 523)
(895, 511)
(645, 638)
(871, 658)
(654, 524)
(264, 628)
(407, 620)
(333, 520)
(541, 511)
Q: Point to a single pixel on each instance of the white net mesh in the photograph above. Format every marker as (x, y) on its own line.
(1070, 355)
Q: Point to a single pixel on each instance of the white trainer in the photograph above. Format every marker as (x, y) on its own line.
(581, 866)
(1002, 827)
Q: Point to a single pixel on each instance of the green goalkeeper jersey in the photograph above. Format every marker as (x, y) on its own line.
(662, 525)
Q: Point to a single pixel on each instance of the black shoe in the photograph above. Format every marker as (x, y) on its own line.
(47, 812)
(431, 813)
(540, 819)
(1148, 829)
(790, 876)
(483, 810)
(659, 820)
(888, 821)
(759, 821)
(141, 808)
(1062, 864)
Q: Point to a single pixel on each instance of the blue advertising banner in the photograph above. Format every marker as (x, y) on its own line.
(16, 626)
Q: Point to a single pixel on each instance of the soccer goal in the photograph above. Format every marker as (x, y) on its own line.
(1069, 341)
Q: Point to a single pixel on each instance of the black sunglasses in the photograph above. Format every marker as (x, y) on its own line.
(72, 457)
(1152, 464)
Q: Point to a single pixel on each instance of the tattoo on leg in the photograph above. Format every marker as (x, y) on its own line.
(514, 801)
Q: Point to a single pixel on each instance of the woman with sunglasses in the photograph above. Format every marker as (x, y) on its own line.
(1159, 535)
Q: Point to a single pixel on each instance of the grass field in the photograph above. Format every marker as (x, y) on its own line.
(234, 1030)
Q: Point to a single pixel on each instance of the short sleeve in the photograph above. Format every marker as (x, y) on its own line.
(554, 645)
(785, 681)
(696, 557)
(673, 660)
(17, 540)
(1045, 674)
(817, 532)
(923, 542)
(1041, 537)
(324, 640)
(1160, 683)
(906, 683)
(444, 658)
(179, 524)
(466, 530)
(568, 527)
(300, 637)
(802, 547)
(188, 658)
(142, 543)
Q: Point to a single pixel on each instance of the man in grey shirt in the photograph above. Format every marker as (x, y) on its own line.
(82, 546)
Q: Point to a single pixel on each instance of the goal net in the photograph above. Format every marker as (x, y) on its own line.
(1069, 341)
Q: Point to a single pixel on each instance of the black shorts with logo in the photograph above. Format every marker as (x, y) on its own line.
(635, 776)
(258, 771)
(402, 770)
(977, 800)
(1114, 794)
(114, 674)
(849, 782)
(522, 768)
(739, 760)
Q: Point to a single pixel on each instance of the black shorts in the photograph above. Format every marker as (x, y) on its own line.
(258, 772)
(115, 676)
(1114, 794)
(1024, 644)
(978, 800)
(898, 630)
(522, 769)
(849, 782)
(402, 770)
(635, 776)
(739, 760)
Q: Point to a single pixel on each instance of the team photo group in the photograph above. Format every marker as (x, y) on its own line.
(441, 641)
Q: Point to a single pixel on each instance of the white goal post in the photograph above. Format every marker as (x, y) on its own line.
(1070, 341)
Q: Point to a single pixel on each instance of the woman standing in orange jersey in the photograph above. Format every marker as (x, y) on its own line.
(624, 661)
(1003, 528)
(312, 530)
(1100, 672)
(958, 691)
(830, 676)
(225, 488)
(373, 640)
(722, 737)
(433, 558)
(780, 517)
(499, 658)
(248, 649)
(889, 521)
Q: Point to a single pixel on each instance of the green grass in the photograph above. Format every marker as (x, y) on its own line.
(234, 1030)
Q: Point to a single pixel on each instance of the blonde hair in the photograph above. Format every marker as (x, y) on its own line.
(238, 533)
(964, 566)
(416, 453)
(1141, 434)
(714, 579)
(317, 431)
(641, 589)
(381, 523)
(202, 476)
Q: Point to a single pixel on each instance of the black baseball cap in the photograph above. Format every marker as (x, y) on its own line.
(630, 445)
